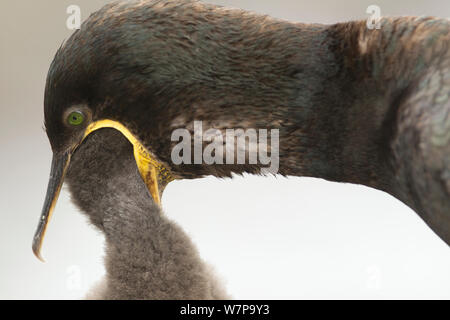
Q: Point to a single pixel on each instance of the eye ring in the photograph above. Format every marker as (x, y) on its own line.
(76, 118)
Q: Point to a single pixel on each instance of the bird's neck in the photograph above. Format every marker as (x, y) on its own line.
(337, 123)
(331, 91)
(341, 122)
(320, 86)
(149, 257)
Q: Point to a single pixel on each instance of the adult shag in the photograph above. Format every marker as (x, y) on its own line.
(351, 104)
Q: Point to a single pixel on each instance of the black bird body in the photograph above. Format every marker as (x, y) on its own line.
(352, 105)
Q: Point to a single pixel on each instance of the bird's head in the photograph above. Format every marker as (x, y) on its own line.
(76, 104)
(147, 68)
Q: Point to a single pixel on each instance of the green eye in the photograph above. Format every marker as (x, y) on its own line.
(75, 118)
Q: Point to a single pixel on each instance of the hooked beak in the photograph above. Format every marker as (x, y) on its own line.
(60, 163)
(154, 174)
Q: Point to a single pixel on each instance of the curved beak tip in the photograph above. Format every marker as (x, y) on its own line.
(37, 253)
(58, 170)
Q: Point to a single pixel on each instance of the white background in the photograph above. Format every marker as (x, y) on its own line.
(268, 238)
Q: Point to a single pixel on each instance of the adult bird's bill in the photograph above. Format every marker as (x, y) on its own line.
(57, 172)
(152, 172)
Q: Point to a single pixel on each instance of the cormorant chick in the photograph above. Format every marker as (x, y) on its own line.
(147, 255)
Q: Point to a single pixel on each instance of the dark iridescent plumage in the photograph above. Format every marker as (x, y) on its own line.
(352, 105)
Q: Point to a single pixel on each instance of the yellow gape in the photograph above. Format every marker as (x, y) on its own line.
(152, 172)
